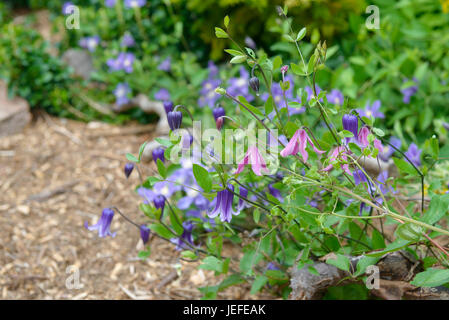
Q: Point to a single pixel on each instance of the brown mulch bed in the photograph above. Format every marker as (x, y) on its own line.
(56, 175)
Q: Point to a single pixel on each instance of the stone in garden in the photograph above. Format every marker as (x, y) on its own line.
(14, 113)
(80, 61)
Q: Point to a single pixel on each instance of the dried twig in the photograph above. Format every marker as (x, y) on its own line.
(61, 130)
(47, 194)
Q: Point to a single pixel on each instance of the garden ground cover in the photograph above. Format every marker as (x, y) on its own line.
(72, 170)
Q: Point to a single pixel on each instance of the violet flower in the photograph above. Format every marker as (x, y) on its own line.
(239, 86)
(164, 188)
(388, 150)
(213, 69)
(162, 95)
(128, 41)
(208, 96)
(371, 110)
(278, 97)
(165, 65)
(127, 60)
(121, 93)
(223, 206)
(255, 159)
(110, 3)
(298, 143)
(271, 266)
(242, 203)
(335, 97)
(124, 61)
(103, 225)
(66, 8)
(186, 237)
(414, 154)
(144, 233)
(275, 193)
(359, 177)
(249, 42)
(310, 93)
(90, 43)
(193, 197)
(135, 3)
(409, 91)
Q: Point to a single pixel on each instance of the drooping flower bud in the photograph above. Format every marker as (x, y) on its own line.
(129, 167)
(144, 233)
(218, 112)
(159, 202)
(168, 106)
(351, 123)
(174, 119)
(219, 123)
(254, 84)
(284, 69)
(158, 153)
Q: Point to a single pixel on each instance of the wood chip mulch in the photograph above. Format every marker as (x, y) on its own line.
(58, 174)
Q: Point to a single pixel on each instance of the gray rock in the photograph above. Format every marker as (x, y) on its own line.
(81, 62)
(14, 113)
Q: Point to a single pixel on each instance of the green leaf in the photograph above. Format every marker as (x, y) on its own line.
(269, 105)
(256, 215)
(175, 223)
(164, 142)
(144, 254)
(132, 158)
(394, 246)
(378, 132)
(438, 208)
(238, 59)
(220, 33)
(431, 278)
(249, 259)
(288, 38)
(363, 263)
(249, 106)
(161, 169)
(233, 52)
(142, 147)
(161, 230)
(342, 262)
(212, 263)
(277, 62)
(189, 255)
(409, 231)
(202, 177)
(232, 280)
(301, 34)
(298, 70)
(378, 240)
(405, 166)
(258, 283)
(226, 21)
(311, 64)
